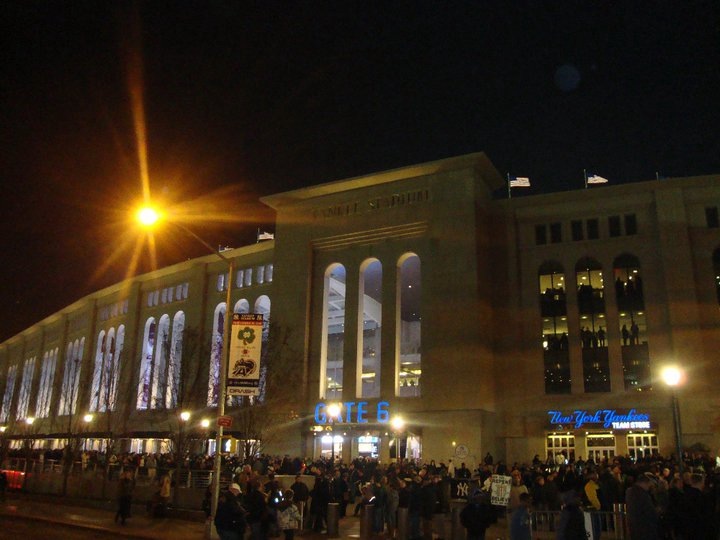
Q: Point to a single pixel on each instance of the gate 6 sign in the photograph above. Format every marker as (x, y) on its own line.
(243, 370)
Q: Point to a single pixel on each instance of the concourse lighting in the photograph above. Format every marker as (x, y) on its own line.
(88, 418)
(205, 423)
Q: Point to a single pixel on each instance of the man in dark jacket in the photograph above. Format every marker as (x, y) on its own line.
(642, 518)
(477, 516)
(230, 516)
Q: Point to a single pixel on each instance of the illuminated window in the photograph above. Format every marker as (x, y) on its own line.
(632, 321)
(554, 336)
(333, 333)
(148, 349)
(215, 355)
(25, 388)
(71, 378)
(409, 327)
(47, 377)
(642, 445)
(369, 328)
(593, 325)
(563, 445)
(9, 391)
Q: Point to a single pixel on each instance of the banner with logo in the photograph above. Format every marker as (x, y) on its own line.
(243, 370)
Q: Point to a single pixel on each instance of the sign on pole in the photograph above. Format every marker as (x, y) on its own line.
(500, 490)
(243, 371)
(224, 421)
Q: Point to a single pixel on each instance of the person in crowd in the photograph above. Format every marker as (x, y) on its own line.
(642, 518)
(477, 515)
(516, 489)
(571, 525)
(341, 491)
(392, 489)
(164, 493)
(698, 521)
(539, 493)
(520, 519)
(463, 472)
(288, 515)
(301, 494)
(230, 522)
(428, 500)
(258, 513)
(320, 495)
(125, 487)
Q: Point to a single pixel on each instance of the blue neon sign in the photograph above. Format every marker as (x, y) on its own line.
(607, 418)
(353, 412)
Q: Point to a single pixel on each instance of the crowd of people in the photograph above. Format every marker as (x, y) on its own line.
(660, 501)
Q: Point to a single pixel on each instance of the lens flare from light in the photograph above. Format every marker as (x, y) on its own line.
(148, 216)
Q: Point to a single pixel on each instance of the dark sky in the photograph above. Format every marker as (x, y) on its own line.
(243, 99)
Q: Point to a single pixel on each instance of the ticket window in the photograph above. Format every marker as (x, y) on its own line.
(642, 445)
(600, 447)
(561, 444)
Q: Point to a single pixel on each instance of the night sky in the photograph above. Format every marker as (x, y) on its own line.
(243, 99)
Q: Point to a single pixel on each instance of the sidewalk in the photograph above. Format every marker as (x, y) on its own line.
(80, 514)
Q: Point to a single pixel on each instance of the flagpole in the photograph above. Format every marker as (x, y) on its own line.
(508, 183)
(585, 175)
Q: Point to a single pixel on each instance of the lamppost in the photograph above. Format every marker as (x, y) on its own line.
(148, 217)
(205, 424)
(88, 418)
(673, 376)
(334, 411)
(398, 424)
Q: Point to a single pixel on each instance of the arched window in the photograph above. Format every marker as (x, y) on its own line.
(632, 322)
(174, 366)
(554, 339)
(160, 364)
(10, 380)
(148, 350)
(71, 378)
(95, 393)
(113, 374)
(47, 376)
(242, 306)
(369, 328)
(262, 307)
(216, 354)
(107, 377)
(593, 328)
(333, 333)
(25, 388)
(409, 331)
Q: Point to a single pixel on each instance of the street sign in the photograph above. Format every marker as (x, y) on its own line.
(224, 421)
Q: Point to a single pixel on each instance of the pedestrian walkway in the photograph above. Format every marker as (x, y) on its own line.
(78, 513)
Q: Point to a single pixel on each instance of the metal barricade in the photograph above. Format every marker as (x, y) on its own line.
(611, 525)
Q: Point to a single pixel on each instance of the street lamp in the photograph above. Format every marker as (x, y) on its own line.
(673, 376)
(397, 423)
(88, 418)
(148, 217)
(334, 411)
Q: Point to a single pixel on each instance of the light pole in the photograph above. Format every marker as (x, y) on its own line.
(88, 418)
(397, 423)
(149, 217)
(205, 424)
(334, 411)
(673, 377)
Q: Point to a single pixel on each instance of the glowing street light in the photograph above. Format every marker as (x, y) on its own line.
(185, 416)
(148, 216)
(673, 376)
(398, 424)
(88, 418)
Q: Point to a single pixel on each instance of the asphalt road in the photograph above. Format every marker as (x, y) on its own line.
(24, 529)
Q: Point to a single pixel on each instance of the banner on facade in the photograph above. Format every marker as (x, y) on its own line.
(243, 370)
(500, 490)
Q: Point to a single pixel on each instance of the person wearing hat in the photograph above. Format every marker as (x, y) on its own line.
(230, 520)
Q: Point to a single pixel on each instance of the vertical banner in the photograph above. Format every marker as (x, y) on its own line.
(243, 370)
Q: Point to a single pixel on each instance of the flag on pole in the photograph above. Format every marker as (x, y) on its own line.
(595, 179)
(519, 181)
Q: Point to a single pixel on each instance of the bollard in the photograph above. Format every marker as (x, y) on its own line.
(333, 516)
(366, 522)
(402, 524)
(619, 518)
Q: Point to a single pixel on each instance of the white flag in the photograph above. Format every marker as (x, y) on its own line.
(595, 179)
(266, 236)
(519, 181)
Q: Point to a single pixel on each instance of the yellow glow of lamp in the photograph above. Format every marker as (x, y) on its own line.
(88, 418)
(671, 375)
(148, 216)
(334, 410)
(397, 423)
(185, 416)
